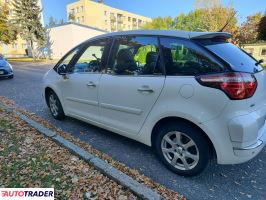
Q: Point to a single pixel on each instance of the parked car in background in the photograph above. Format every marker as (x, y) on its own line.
(6, 69)
(189, 95)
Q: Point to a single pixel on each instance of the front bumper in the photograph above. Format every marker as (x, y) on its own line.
(6, 73)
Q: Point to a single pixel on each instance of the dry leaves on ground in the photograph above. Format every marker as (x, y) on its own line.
(163, 191)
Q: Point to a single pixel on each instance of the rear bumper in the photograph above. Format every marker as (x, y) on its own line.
(238, 139)
(252, 150)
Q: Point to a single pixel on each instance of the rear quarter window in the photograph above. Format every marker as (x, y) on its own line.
(185, 58)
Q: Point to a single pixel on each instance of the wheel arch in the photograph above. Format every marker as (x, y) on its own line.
(47, 91)
(174, 119)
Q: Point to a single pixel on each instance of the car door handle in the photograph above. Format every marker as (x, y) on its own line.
(91, 84)
(145, 89)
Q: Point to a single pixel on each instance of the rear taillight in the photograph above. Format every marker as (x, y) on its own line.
(236, 85)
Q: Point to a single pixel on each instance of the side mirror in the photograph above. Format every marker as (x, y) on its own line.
(61, 70)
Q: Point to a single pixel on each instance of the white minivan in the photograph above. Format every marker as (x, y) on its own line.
(189, 95)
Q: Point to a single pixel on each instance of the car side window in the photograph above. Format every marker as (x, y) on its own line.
(90, 60)
(135, 56)
(67, 59)
(182, 57)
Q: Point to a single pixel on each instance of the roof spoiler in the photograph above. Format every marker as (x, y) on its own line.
(212, 35)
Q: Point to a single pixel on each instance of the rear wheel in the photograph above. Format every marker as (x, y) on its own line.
(182, 148)
(55, 106)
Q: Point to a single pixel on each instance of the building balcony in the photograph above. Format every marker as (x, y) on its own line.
(112, 18)
(113, 27)
(120, 20)
(120, 27)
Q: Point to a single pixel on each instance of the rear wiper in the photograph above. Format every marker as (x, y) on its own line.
(259, 62)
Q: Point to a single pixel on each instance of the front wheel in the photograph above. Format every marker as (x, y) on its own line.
(55, 106)
(182, 148)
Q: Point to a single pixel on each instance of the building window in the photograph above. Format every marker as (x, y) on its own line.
(249, 51)
(82, 19)
(10, 12)
(129, 19)
(24, 46)
(72, 11)
(105, 13)
(78, 20)
(263, 52)
(15, 46)
(82, 8)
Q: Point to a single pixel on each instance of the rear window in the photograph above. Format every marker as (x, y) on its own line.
(238, 59)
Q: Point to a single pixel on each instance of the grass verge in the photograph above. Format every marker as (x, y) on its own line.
(27, 59)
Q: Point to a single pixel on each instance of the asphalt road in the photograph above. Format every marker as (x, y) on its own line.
(245, 181)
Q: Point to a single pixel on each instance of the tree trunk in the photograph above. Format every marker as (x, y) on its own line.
(32, 50)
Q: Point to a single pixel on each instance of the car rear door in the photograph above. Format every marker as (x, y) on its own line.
(81, 84)
(131, 84)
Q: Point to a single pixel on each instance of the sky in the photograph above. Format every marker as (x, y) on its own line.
(154, 8)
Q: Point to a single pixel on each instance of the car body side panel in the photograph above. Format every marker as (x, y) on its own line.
(175, 101)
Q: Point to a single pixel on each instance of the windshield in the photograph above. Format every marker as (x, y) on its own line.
(238, 59)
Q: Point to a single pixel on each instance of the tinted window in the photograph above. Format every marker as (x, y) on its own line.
(237, 58)
(91, 59)
(182, 57)
(135, 56)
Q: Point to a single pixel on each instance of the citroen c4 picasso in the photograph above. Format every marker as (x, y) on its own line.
(189, 95)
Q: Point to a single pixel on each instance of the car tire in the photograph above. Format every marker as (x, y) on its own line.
(55, 106)
(182, 148)
(11, 76)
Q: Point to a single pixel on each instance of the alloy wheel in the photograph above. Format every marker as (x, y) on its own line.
(180, 150)
(53, 105)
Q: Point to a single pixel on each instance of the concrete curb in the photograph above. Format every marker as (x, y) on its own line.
(137, 188)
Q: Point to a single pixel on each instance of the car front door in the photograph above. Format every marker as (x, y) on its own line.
(131, 84)
(80, 85)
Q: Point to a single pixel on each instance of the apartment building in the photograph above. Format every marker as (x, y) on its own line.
(18, 47)
(104, 17)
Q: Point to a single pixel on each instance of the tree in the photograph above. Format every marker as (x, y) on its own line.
(61, 21)
(52, 22)
(8, 31)
(160, 23)
(249, 29)
(207, 16)
(27, 15)
(262, 28)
